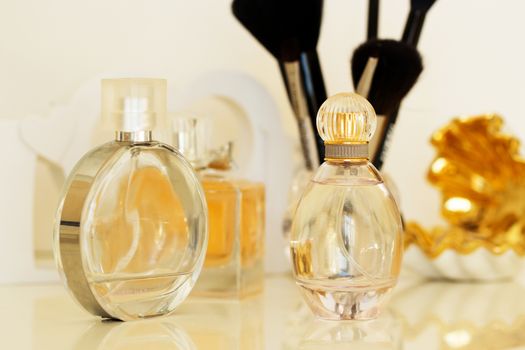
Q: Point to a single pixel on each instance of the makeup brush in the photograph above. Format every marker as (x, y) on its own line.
(397, 69)
(289, 30)
(411, 35)
(314, 87)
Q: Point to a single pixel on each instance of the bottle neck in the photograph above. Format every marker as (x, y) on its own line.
(349, 161)
(340, 152)
(133, 136)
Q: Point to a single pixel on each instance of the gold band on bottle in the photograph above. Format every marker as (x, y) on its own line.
(346, 150)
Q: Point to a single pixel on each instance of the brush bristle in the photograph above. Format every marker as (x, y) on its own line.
(284, 27)
(421, 5)
(398, 67)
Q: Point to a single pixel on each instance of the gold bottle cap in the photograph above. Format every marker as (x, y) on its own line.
(346, 122)
(133, 104)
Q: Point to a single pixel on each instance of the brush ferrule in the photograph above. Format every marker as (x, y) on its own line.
(346, 150)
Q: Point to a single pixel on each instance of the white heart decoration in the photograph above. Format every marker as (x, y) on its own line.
(49, 137)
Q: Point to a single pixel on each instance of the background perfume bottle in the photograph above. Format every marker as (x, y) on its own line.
(236, 215)
(346, 233)
(130, 235)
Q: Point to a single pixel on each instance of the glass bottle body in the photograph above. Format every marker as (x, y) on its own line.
(346, 241)
(236, 217)
(141, 229)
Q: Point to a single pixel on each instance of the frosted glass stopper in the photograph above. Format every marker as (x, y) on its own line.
(133, 104)
(346, 118)
(192, 137)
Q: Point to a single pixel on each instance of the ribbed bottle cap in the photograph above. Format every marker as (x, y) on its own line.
(346, 118)
(133, 104)
(346, 122)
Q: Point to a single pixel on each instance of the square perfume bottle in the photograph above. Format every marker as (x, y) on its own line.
(234, 265)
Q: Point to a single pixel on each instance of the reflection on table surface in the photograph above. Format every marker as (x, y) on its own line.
(475, 316)
(307, 332)
(422, 315)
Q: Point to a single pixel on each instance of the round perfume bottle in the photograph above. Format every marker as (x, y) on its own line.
(346, 242)
(131, 230)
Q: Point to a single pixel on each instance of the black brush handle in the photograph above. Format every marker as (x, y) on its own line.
(413, 27)
(373, 19)
(285, 79)
(314, 88)
(297, 98)
(411, 34)
(382, 149)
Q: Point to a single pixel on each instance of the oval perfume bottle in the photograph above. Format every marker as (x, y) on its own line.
(346, 242)
(131, 230)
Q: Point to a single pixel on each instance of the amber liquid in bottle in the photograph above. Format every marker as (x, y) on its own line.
(234, 259)
(225, 212)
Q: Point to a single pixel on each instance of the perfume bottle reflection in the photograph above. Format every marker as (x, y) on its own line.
(158, 334)
(305, 332)
(221, 324)
(200, 323)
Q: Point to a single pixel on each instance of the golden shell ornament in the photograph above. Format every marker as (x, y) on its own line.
(481, 177)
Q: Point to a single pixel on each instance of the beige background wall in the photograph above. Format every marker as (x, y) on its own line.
(473, 51)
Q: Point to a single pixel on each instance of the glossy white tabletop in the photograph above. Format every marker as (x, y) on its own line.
(421, 315)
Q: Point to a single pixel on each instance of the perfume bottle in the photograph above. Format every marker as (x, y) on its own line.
(236, 215)
(346, 242)
(131, 229)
